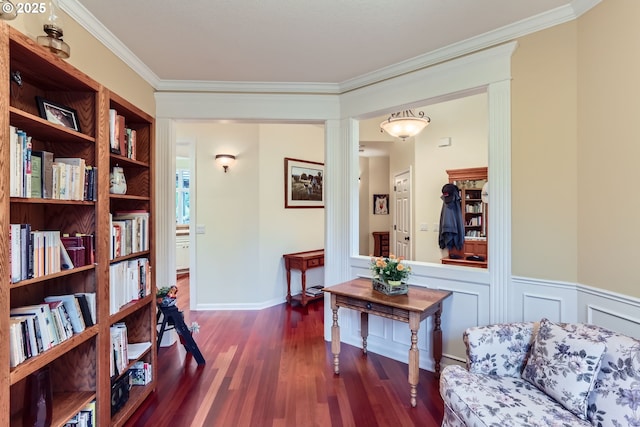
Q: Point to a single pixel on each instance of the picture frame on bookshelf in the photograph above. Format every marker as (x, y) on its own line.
(303, 184)
(58, 113)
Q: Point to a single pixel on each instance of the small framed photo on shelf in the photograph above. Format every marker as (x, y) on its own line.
(58, 114)
(381, 204)
(303, 184)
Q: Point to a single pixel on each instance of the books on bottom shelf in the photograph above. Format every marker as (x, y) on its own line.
(314, 291)
(85, 418)
(36, 328)
(128, 281)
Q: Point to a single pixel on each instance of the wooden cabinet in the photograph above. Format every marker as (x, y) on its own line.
(381, 243)
(79, 364)
(470, 181)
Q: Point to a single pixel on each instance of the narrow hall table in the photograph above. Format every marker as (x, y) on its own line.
(302, 261)
(412, 308)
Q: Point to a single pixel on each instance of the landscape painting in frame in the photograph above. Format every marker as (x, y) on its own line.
(303, 184)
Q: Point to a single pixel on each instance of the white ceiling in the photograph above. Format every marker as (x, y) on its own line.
(335, 44)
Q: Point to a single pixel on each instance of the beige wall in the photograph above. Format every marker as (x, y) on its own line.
(609, 146)
(575, 142)
(92, 58)
(246, 227)
(544, 165)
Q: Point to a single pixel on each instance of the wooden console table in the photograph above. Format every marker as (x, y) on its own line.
(302, 261)
(411, 308)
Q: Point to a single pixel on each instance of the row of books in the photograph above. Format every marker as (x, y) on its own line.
(37, 174)
(36, 328)
(39, 253)
(129, 232)
(85, 418)
(119, 344)
(128, 281)
(123, 140)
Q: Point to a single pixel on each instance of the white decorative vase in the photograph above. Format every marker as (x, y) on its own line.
(118, 184)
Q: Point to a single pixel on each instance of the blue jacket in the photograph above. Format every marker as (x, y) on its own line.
(451, 221)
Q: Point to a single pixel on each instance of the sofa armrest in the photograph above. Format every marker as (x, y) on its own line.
(499, 349)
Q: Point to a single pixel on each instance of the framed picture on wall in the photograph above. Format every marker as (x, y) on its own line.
(303, 184)
(381, 204)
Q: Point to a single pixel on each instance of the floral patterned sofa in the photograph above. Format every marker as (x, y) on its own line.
(544, 374)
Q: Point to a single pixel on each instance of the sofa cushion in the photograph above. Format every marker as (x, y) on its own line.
(489, 400)
(615, 399)
(499, 349)
(564, 365)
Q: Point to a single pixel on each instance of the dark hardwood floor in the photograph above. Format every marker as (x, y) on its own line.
(273, 368)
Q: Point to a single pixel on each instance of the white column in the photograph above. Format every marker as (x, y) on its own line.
(341, 193)
(165, 211)
(500, 199)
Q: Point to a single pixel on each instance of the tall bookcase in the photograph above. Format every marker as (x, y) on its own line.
(80, 365)
(474, 213)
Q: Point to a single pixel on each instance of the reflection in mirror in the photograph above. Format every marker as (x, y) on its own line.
(456, 138)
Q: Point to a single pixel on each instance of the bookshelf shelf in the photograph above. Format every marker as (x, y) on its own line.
(33, 364)
(65, 406)
(51, 276)
(80, 364)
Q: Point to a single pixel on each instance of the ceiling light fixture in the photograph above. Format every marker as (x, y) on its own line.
(53, 27)
(225, 160)
(405, 124)
(8, 10)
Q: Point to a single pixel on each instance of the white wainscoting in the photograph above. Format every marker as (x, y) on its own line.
(470, 305)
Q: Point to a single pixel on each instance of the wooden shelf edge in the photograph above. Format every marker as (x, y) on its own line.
(39, 125)
(65, 406)
(33, 364)
(137, 395)
(129, 308)
(51, 276)
(127, 160)
(131, 255)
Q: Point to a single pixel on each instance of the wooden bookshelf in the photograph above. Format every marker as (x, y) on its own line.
(79, 366)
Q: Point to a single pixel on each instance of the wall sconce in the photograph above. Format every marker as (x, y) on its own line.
(225, 160)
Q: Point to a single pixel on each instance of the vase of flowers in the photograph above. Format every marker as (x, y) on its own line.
(390, 275)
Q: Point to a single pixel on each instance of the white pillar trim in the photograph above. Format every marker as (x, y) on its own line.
(165, 211)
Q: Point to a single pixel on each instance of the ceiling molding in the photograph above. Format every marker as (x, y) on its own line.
(90, 23)
(247, 87)
(521, 28)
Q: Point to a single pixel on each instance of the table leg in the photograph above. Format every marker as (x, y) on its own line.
(288, 285)
(437, 340)
(335, 336)
(414, 358)
(364, 330)
(303, 278)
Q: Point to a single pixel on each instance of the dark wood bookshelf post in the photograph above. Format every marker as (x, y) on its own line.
(80, 364)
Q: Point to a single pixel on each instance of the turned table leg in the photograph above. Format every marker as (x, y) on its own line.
(437, 341)
(364, 330)
(335, 336)
(414, 358)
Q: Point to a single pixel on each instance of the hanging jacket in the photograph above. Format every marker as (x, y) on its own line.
(451, 221)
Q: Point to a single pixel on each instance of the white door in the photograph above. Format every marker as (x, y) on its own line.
(402, 215)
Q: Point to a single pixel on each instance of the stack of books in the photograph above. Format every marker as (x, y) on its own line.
(314, 291)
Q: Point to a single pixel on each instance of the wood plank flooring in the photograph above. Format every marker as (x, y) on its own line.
(273, 368)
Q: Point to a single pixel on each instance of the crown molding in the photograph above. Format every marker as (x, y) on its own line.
(539, 22)
(510, 32)
(247, 87)
(82, 16)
